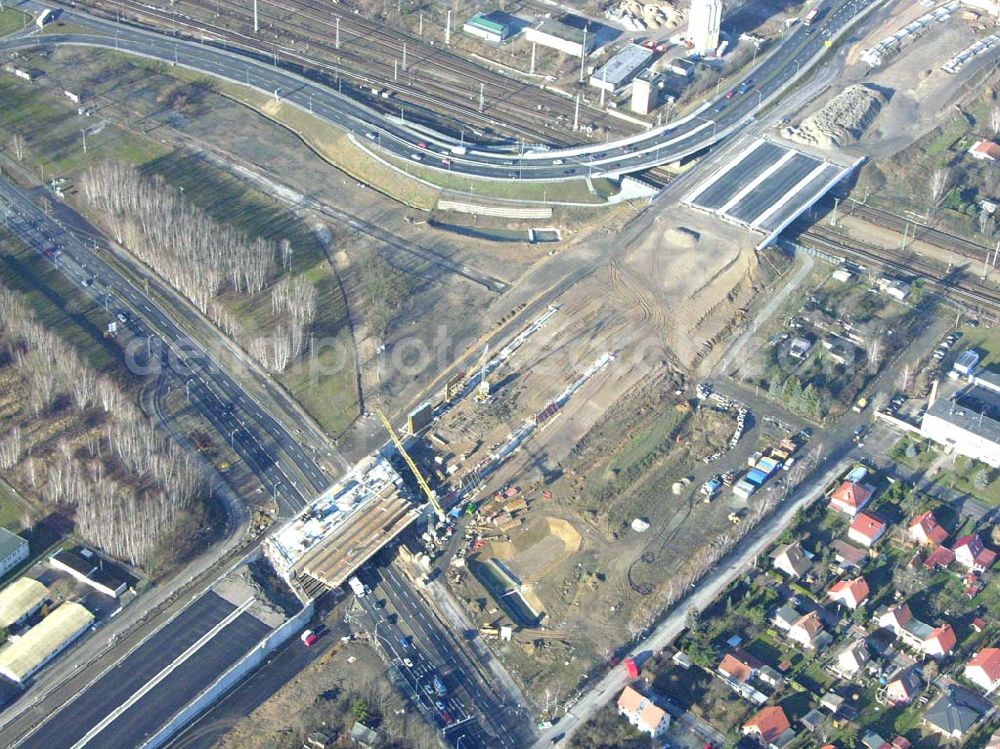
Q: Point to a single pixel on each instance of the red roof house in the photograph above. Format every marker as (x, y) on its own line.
(983, 669)
(924, 529)
(851, 593)
(940, 558)
(866, 529)
(941, 641)
(901, 690)
(768, 725)
(850, 498)
(739, 666)
(985, 150)
(971, 554)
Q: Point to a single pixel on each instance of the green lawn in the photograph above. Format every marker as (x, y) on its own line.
(326, 386)
(11, 508)
(52, 133)
(12, 20)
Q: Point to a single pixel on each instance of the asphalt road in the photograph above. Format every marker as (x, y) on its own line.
(77, 717)
(276, 458)
(479, 717)
(684, 137)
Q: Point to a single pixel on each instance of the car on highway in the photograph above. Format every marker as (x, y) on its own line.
(422, 144)
(446, 161)
(731, 93)
(439, 686)
(309, 638)
(123, 317)
(370, 135)
(406, 641)
(87, 282)
(569, 171)
(746, 86)
(416, 157)
(720, 106)
(557, 738)
(557, 162)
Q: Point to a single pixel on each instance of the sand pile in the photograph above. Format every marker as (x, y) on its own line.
(637, 16)
(681, 236)
(842, 121)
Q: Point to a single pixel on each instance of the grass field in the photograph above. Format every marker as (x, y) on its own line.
(324, 387)
(53, 138)
(11, 508)
(12, 20)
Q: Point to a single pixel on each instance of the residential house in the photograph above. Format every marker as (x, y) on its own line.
(983, 669)
(872, 740)
(363, 736)
(941, 642)
(851, 497)
(955, 713)
(939, 559)
(985, 150)
(812, 720)
(925, 530)
(847, 555)
(853, 658)
(971, 554)
(770, 676)
(642, 713)
(932, 641)
(740, 666)
(851, 593)
(832, 702)
(785, 616)
(790, 559)
(808, 631)
(770, 727)
(903, 688)
(866, 529)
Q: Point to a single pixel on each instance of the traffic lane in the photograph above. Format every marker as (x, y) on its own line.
(69, 266)
(162, 702)
(226, 62)
(101, 697)
(464, 674)
(55, 233)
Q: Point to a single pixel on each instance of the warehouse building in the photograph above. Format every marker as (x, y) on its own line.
(13, 551)
(19, 600)
(90, 569)
(20, 660)
(968, 423)
(562, 37)
(622, 68)
(493, 26)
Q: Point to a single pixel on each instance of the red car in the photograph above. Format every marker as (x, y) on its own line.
(421, 144)
(446, 717)
(731, 94)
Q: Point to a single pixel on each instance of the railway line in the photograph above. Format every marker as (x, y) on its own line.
(956, 283)
(432, 80)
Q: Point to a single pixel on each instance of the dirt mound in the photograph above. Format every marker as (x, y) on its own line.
(543, 545)
(681, 237)
(842, 121)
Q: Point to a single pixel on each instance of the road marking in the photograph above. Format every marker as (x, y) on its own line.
(151, 684)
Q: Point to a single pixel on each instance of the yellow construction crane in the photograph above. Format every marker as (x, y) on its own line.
(431, 496)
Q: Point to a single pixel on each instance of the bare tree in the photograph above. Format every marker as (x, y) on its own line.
(17, 143)
(940, 181)
(995, 120)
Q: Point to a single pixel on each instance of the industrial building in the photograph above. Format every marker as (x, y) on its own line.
(13, 551)
(562, 37)
(20, 660)
(493, 26)
(19, 600)
(968, 422)
(621, 68)
(90, 569)
(645, 93)
(704, 23)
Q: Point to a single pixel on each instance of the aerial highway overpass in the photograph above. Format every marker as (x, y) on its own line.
(389, 136)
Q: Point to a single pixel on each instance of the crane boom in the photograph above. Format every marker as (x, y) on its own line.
(431, 496)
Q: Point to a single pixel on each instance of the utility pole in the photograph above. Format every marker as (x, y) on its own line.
(256, 19)
(576, 114)
(336, 42)
(420, 25)
(84, 131)
(583, 52)
(447, 29)
(833, 218)
(404, 57)
(395, 70)
(482, 96)
(531, 70)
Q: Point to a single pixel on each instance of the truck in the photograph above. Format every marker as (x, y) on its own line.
(357, 586)
(810, 17)
(744, 488)
(632, 668)
(860, 405)
(458, 150)
(309, 638)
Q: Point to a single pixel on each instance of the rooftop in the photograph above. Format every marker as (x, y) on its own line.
(20, 598)
(617, 71)
(9, 543)
(28, 653)
(975, 409)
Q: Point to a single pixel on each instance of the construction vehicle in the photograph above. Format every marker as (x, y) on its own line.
(428, 492)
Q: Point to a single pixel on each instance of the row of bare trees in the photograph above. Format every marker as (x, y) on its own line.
(128, 485)
(196, 255)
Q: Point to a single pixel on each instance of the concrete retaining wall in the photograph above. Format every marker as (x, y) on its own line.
(211, 694)
(503, 211)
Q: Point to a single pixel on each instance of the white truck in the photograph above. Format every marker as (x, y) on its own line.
(357, 586)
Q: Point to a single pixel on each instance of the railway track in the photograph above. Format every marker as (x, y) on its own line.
(958, 283)
(433, 80)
